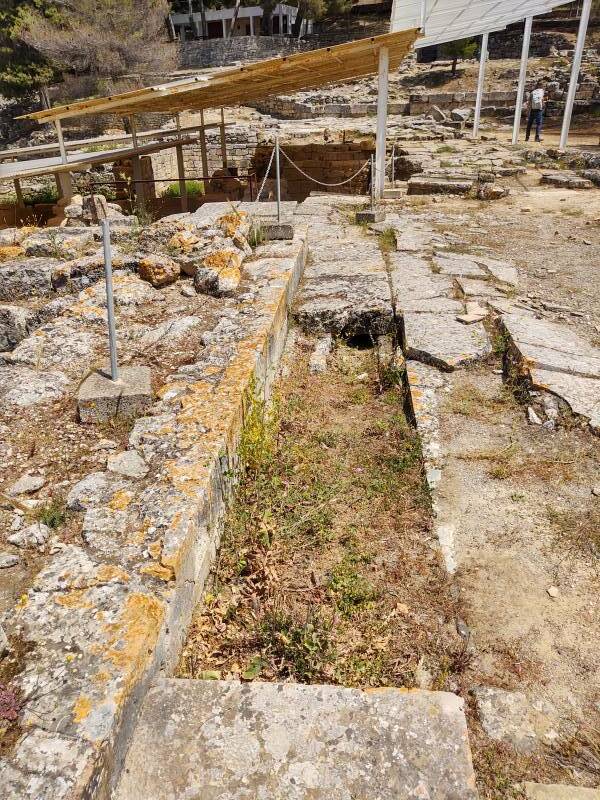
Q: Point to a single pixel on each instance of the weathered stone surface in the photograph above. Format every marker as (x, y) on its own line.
(121, 601)
(29, 278)
(8, 560)
(220, 272)
(27, 484)
(444, 342)
(101, 399)
(501, 271)
(318, 358)
(369, 216)
(472, 287)
(421, 184)
(461, 114)
(539, 791)
(581, 393)
(58, 242)
(158, 270)
(550, 346)
(295, 741)
(128, 463)
(22, 386)
(31, 536)
(456, 265)
(88, 491)
(509, 717)
(490, 191)
(171, 329)
(62, 343)
(566, 181)
(15, 325)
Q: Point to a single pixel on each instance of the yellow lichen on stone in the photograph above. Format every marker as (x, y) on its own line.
(158, 571)
(230, 223)
(225, 262)
(82, 708)
(8, 252)
(134, 634)
(110, 573)
(155, 549)
(120, 500)
(76, 598)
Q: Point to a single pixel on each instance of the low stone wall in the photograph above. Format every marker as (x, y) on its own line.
(327, 162)
(287, 107)
(220, 52)
(508, 44)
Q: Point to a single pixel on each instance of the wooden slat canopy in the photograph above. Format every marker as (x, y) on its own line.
(238, 85)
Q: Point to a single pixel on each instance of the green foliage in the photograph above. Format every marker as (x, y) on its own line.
(53, 515)
(22, 70)
(459, 49)
(304, 649)
(350, 589)
(193, 188)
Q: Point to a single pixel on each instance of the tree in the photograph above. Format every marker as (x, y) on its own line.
(23, 70)
(102, 46)
(461, 48)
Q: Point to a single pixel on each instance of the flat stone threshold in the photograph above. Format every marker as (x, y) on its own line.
(227, 740)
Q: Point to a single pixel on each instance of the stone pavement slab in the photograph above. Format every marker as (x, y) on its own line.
(259, 741)
(442, 341)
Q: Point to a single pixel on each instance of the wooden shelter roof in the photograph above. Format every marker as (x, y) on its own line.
(238, 85)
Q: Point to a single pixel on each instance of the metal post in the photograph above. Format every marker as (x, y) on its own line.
(278, 179)
(372, 182)
(110, 303)
(583, 25)
(480, 84)
(61, 141)
(382, 106)
(522, 77)
(423, 15)
(394, 165)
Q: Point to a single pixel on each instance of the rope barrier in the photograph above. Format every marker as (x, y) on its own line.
(321, 183)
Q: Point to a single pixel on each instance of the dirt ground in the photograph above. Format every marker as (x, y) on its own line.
(327, 571)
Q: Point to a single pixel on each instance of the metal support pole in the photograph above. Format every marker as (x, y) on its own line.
(278, 178)
(61, 141)
(382, 106)
(393, 165)
(372, 182)
(223, 142)
(480, 84)
(110, 303)
(522, 78)
(583, 25)
(133, 126)
(423, 15)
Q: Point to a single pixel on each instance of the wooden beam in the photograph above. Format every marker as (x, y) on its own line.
(19, 193)
(181, 174)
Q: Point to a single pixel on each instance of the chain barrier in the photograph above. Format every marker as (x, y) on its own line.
(321, 183)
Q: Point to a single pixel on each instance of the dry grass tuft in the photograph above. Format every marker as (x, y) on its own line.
(468, 400)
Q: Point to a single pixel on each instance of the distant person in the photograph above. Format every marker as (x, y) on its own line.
(537, 100)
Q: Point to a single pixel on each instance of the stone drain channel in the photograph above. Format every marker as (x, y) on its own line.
(386, 323)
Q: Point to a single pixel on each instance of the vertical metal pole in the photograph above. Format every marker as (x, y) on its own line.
(278, 179)
(372, 182)
(480, 84)
(522, 77)
(61, 141)
(423, 15)
(110, 303)
(394, 165)
(382, 106)
(583, 25)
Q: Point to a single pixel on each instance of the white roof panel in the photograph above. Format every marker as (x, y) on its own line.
(447, 20)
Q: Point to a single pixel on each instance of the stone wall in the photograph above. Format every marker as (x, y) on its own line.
(288, 107)
(328, 162)
(220, 52)
(508, 44)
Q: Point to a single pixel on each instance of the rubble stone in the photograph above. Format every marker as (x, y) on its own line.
(158, 270)
(32, 536)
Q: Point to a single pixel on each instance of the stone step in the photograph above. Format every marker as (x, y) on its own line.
(226, 740)
(393, 194)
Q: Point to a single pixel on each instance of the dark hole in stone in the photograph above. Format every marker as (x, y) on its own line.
(361, 341)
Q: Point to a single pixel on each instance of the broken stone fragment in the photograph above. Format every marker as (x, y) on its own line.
(32, 536)
(87, 491)
(555, 791)
(490, 191)
(8, 560)
(220, 273)
(15, 324)
(128, 463)
(27, 484)
(158, 270)
(509, 717)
